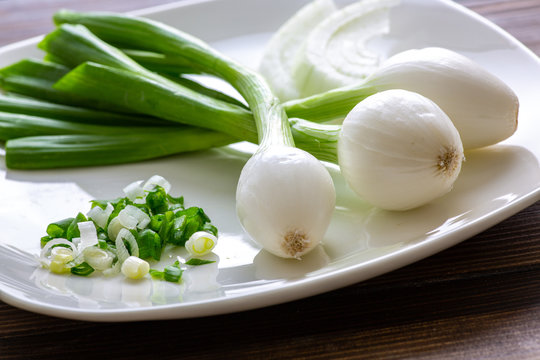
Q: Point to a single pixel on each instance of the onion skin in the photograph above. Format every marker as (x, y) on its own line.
(398, 150)
(482, 107)
(284, 200)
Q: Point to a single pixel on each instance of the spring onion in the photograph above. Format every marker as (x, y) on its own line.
(85, 150)
(35, 78)
(317, 138)
(44, 109)
(482, 107)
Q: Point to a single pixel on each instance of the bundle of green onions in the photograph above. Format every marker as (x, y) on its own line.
(96, 75)
(115, 89)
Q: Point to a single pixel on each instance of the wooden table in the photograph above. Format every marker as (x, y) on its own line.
(477, 300)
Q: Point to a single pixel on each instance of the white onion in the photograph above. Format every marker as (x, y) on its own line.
(284, 200)
(482, 107)
(279, 55)
(399, 150)
(336, 52)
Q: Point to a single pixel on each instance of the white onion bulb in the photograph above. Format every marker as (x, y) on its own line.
(88, 233)
(398, 150)
(97, 258)
(482, 107)
(284, 200)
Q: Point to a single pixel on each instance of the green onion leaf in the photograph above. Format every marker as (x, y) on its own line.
(156, 274)
(82, 269)
(149, 244)
(157, 200)
(197, 262)
(73, 228)
(172, 273)
(45, 240)
(58, 229)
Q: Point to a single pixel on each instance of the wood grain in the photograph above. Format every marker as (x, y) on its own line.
(477, 300)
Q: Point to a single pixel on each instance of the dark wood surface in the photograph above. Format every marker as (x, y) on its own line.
(477, 300)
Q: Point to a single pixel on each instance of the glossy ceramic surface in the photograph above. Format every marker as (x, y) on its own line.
(362, 241)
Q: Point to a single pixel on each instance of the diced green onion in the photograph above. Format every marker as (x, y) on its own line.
(58, 229)
(135, 268)
(123, 253)
(97, 258)
(200, 243)
(83, 269)
(198, 262)
(172, 273)
(73, 228)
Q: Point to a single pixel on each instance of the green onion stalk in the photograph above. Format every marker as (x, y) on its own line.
(73, 45)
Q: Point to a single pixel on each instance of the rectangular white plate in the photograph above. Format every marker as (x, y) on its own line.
(362, 241)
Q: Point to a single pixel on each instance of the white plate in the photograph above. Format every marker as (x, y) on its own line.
(362, 241)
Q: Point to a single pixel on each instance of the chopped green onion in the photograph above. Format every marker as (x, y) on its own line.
(72, 230)
(200, 243)
(171, 273)
(149, 244)
(157, 200)
(83, 269)
(135, 268)
(58, 229)
(198, 262)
